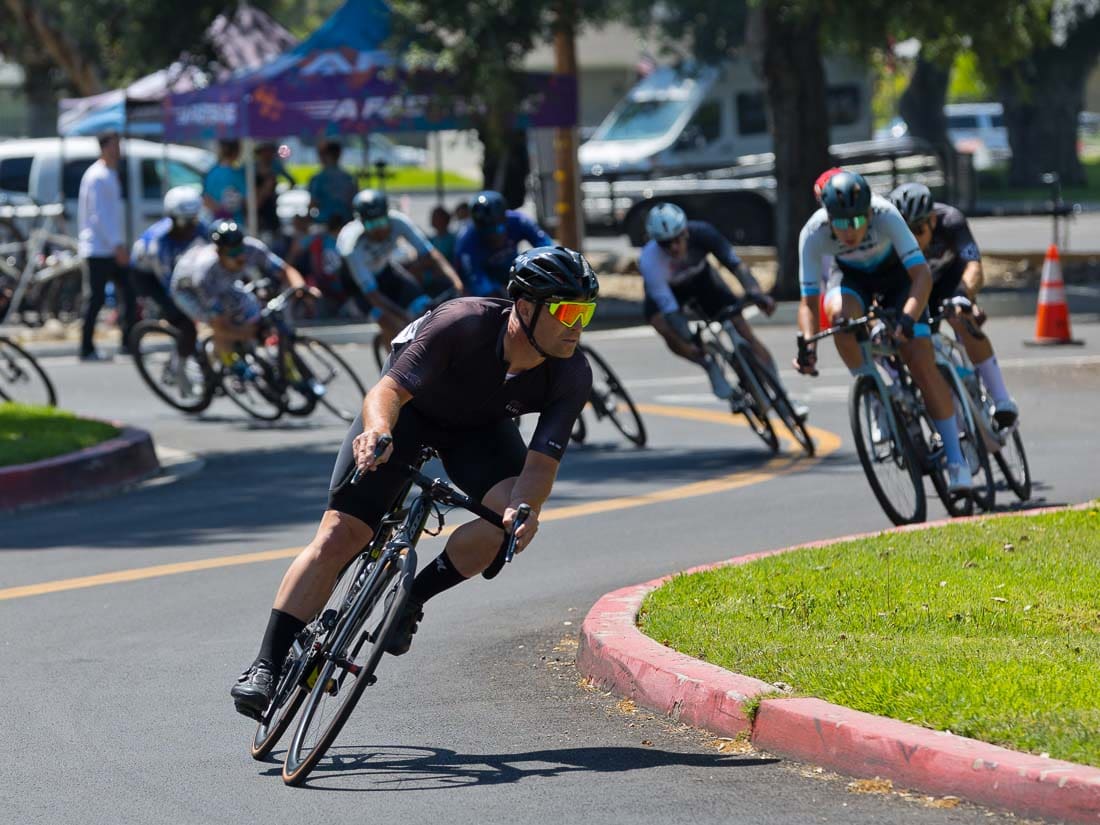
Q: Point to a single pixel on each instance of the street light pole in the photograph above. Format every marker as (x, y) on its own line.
(565, 138)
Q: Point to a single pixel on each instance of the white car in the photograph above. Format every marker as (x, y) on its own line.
(979, 128)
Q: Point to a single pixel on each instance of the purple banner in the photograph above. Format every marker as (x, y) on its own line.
(308, 105)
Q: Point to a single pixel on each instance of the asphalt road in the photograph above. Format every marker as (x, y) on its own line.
(117, 706)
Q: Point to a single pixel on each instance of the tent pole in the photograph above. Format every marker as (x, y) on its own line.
(249, 148)
(438, 167)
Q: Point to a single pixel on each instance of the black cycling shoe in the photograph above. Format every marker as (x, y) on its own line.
(401, 634)
(254, 689)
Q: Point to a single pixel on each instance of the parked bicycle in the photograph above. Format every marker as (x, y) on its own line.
(896, 439)
(22, 378)
(1006, 445)
(756, 389)
(334, 658)
(609, 399)
(286, 372)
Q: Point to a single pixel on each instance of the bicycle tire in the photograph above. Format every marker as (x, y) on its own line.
(1017, 477)
(901, 456)
(18, 365)
(259, 397)
(324, 364)
(381, 352)
(619, 417)
(148, 370)
(956, 504)
(783, 407)
(398, 575)
(757, 417)
(289, 696)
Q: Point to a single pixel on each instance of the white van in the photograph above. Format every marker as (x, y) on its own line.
(692, 117)
(46, 168)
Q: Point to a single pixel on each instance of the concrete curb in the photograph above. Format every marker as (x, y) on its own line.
(615, 655)
(92, 472)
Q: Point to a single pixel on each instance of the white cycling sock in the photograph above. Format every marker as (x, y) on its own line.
(990, 372)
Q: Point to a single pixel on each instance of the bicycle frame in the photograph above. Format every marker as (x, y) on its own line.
(724, 323)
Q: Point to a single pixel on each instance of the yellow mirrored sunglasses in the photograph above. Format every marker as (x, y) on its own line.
(569, 312)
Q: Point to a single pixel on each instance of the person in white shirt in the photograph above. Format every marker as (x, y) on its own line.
(102, 243)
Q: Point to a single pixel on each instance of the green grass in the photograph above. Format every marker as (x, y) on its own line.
(989, 629)
(33, 433)
(993, 185)
(402, 179)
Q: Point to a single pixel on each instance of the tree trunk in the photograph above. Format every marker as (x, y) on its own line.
(794, 74)
(1042, 97)
(507, 170)
(921, 104)
(82, 73)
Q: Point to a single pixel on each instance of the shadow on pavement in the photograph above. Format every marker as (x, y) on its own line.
(395, 768)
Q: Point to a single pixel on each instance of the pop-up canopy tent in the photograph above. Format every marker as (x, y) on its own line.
(341, 80)
(242, 39)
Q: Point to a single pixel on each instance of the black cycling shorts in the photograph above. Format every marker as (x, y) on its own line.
(893, 286)
(475, 460)
(707, 292)
(944, 288)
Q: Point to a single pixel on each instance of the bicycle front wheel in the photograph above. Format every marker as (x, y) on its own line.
(1012, 460)
(610, 398)
(180, 383)
(346, 667)
(343, 391)
(259, 396)
(754, 404)
(22, 379)
(886, 456)
(783, 407)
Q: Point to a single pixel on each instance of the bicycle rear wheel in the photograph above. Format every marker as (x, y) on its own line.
(344, 672)
(1013, 463)
(344, 392)
(887, 457)
(22, 379)
(609, 398)
(185, 385)
(381, 351)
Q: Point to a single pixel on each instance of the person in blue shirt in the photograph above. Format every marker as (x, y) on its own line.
(224, 188)
(155, 253)
(486, 248)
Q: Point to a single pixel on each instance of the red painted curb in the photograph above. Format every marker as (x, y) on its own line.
(615, 655)
(98, 470)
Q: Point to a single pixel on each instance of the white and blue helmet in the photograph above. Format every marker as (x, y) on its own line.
(665, 221)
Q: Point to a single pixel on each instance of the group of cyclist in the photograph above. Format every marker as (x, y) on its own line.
(462, 370)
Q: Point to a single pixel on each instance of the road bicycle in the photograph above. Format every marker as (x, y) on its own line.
(22, 378)
(1005, 444)
(896, 438)
(757, 390)
(285, 372)
(334, 658)
(609, 399)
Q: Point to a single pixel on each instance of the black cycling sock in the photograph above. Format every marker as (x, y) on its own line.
(438, 576)
(281, 630)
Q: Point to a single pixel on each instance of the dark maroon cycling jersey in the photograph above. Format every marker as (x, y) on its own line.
(452, 362)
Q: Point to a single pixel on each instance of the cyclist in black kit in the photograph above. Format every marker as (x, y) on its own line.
(455, 381)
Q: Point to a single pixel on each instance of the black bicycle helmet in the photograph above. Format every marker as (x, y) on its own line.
(487, 209)
(370, 204)
(226, 234)
(913, 200)
(846, 195)
(548, 273)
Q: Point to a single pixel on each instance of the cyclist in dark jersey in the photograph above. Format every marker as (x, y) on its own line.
(455, 381)
(956, 263)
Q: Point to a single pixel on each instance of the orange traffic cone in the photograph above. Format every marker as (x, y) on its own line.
(1052, 314)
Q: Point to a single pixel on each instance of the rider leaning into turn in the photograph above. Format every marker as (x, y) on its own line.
(205, 284)
(675, 271)
(956, 264)
(457, 378)
(488, 245)
(876, 254)
(156, 252)
(386, 287)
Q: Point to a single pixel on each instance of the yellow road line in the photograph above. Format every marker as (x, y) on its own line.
(827, 442)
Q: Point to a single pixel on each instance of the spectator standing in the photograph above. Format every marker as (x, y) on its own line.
(268, 171)
(332, 189)
(442, 237)
(225, 187)
(102, 243)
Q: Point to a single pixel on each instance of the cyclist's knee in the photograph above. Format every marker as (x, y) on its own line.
(338, 538)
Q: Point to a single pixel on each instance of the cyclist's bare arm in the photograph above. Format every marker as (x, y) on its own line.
(676, 342)
(381, 407)
(921, 277)
(973, 278)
